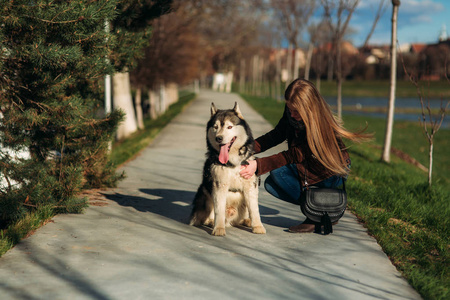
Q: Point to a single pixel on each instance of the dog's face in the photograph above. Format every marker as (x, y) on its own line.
(225, 130)
(222, 132)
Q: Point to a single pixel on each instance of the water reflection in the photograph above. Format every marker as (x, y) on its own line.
(359, 103)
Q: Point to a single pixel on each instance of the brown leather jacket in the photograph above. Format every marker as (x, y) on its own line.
(298, 152)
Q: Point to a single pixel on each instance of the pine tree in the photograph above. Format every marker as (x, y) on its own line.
(52, 61)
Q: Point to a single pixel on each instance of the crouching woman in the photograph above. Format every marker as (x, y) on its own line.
(315, 152)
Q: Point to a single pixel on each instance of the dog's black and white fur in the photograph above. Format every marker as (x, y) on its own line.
(224, 198)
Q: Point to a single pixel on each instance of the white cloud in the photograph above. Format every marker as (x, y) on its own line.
(420, 7)
(370, 4)
(421, 19)
(415, 11)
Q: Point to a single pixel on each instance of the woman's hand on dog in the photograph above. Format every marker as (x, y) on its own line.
(249, 170)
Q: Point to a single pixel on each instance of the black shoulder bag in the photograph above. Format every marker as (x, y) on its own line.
(324, 206)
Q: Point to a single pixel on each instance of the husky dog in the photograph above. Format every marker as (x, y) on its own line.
(225, 198)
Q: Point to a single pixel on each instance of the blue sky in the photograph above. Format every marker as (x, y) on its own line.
(419, 21)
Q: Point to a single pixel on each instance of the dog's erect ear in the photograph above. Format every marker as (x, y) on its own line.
(238, 111)
(213, 109)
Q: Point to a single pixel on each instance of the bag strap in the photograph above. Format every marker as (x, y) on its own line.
(306, 185)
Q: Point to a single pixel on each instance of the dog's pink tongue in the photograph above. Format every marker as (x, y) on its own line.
(223, 155)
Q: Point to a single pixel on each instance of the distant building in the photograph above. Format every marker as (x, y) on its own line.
(417, 48)
(443, 35)
(374, 54)
(346, 47)
(283, 53)
(404, 48)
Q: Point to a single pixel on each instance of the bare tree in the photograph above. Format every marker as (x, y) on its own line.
(435, 125)
(229, 27)
(321, 36)
(293, 16)
(318, 36)
(386, 156)
(173, 57)
(344, 10)
(434, 122)
(380, 11)
(269, 36)
(174, 53)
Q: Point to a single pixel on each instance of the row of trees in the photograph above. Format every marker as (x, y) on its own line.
(53, 58)
(203, 37)
(200, 38)
(246, 42)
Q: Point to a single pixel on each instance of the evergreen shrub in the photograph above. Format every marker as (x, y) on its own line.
(52, 65)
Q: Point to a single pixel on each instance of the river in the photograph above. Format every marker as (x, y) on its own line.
(359, 103)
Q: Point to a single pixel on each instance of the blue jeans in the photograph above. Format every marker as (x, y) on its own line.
(284, 184)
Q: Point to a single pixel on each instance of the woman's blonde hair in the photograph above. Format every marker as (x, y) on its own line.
(322, 127)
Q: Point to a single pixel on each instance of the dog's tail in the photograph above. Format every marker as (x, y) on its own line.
(201, 208)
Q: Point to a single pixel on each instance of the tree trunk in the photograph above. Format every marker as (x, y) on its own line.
(255, 74)
(171, 90)
(339, 98)
(242, 77)
(430, 166)
(330, 66)
(278, 78)
(289, 66)
(260, 77)
(296, 64)
(108, 95)
(138, 108)
(308, 60)
(390, 117)
(152, 99)
(124, 101)
(162, 99)
(339, 78)
(196, 86)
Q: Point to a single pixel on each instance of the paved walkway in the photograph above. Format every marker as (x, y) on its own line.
(137, 244)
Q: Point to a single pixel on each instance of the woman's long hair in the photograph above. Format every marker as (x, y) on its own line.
(322, 127)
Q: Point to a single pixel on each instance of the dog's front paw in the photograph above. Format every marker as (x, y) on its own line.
(259, 230)
(219, 231)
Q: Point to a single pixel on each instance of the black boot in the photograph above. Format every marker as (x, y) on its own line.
(305, 227)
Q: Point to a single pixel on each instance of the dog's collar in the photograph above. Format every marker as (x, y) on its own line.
(228, 164)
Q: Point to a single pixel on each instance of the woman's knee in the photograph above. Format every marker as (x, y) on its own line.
(281, 191)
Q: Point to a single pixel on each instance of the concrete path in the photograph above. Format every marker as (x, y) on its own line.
(136, 244)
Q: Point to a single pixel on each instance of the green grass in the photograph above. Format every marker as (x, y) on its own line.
(380, 88)
(10, 236)
(409, 219)
(410, 138)
(124, 150)
(366, 88)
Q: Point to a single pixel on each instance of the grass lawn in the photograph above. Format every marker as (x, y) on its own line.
(408, 219)
(364, 88)
(380, 88)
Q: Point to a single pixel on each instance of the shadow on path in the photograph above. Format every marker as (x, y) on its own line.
(177, 205)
